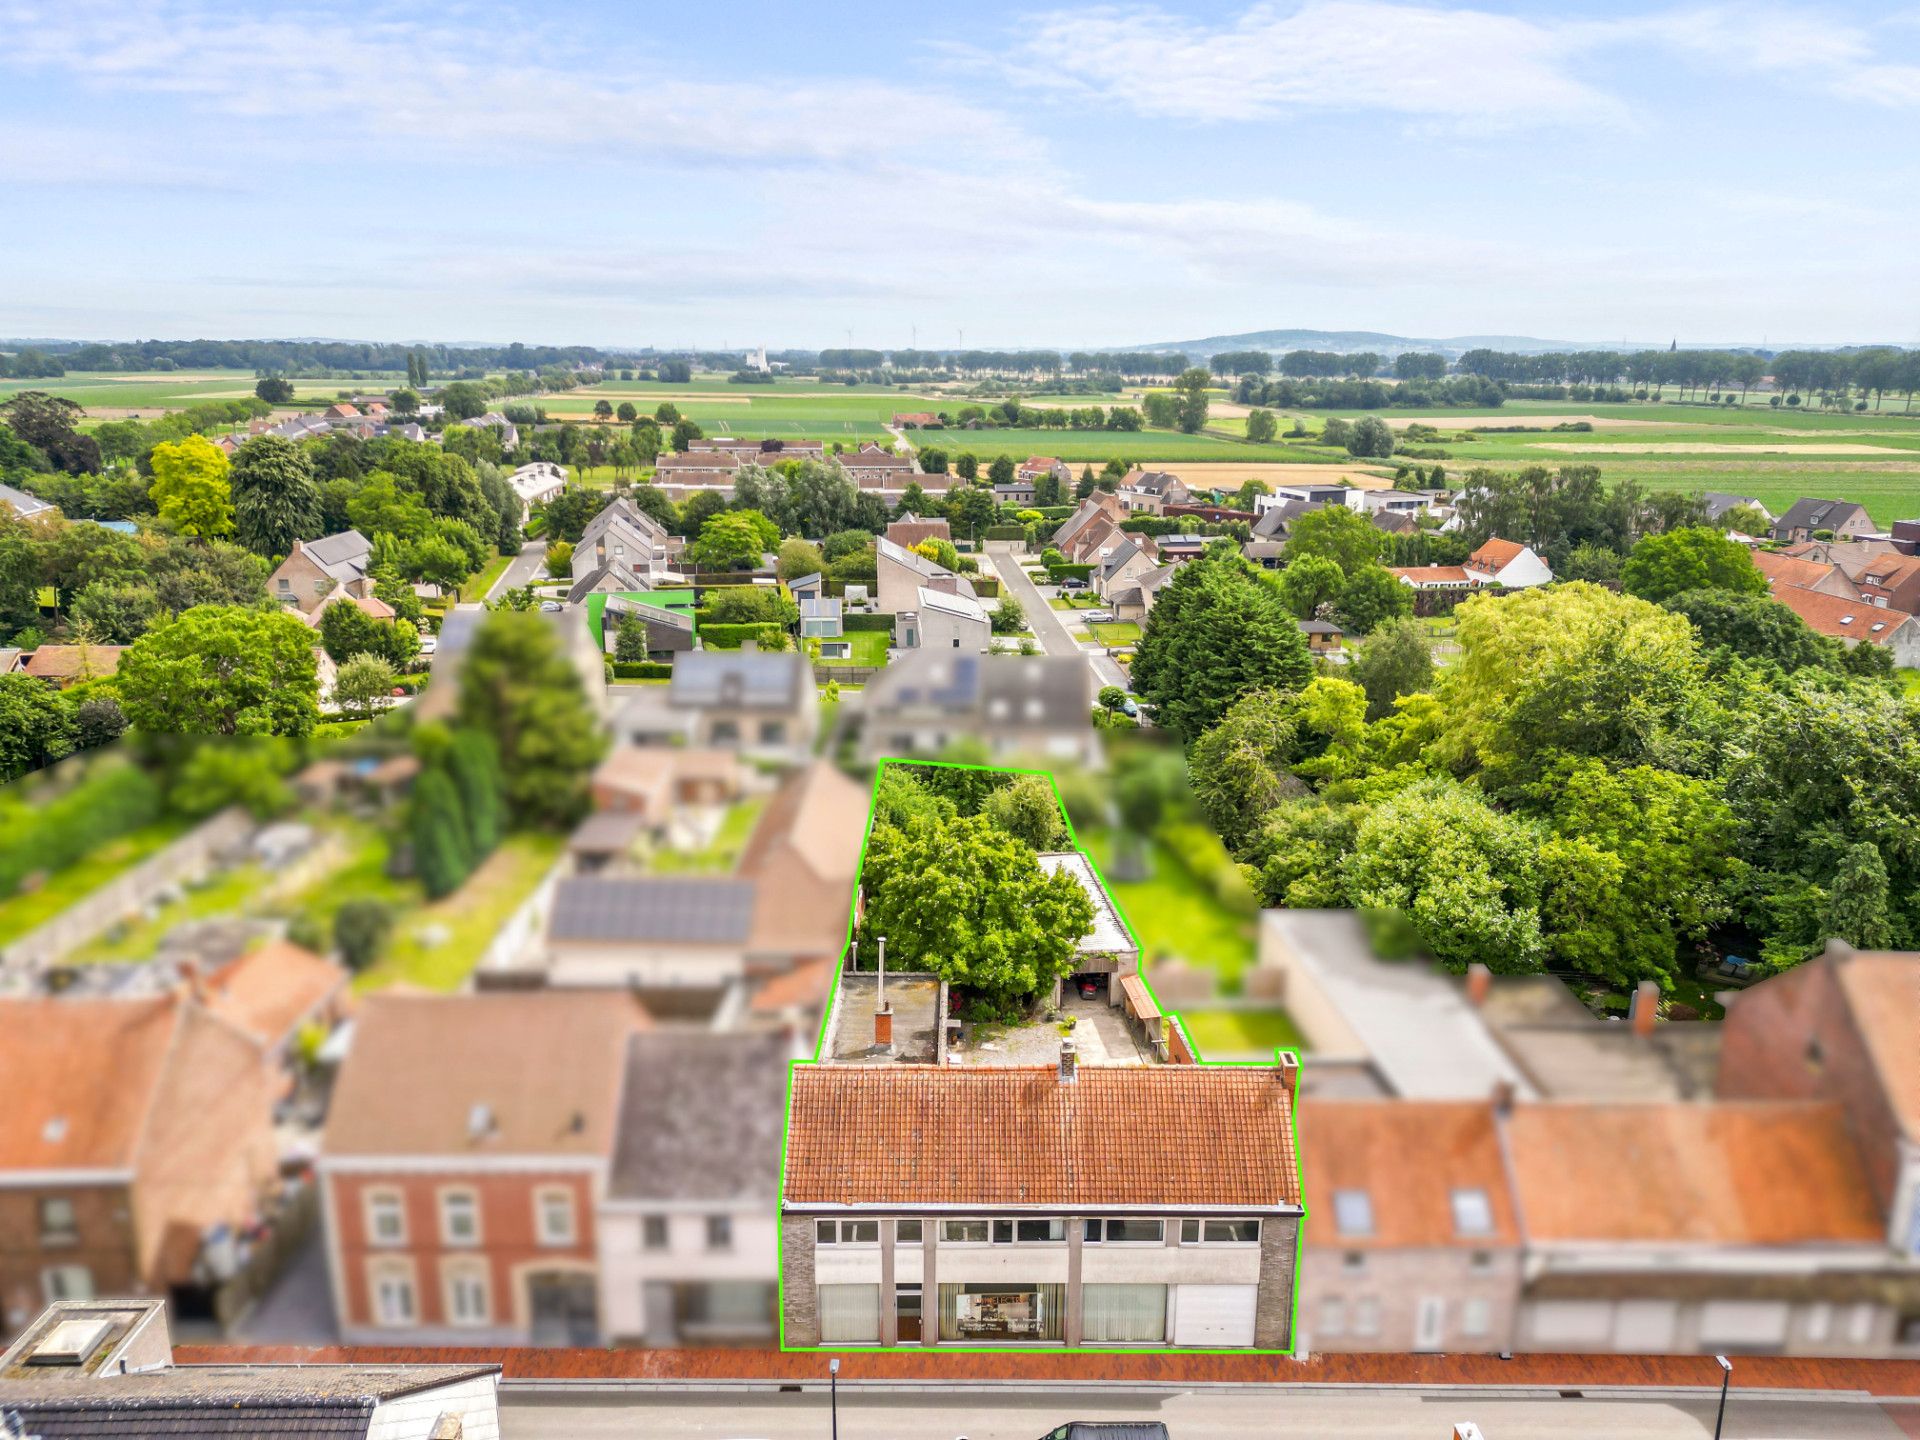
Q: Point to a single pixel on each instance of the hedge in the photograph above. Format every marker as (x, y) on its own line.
(729, 637)
(1006, 532)
(641, 670)
(867, 622)
(1199, 850)
(1069, 572)
(113, 800)
(985, 585)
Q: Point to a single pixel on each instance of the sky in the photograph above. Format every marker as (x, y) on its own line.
(740, 174)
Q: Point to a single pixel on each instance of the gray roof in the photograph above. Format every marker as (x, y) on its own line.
(1002, 692)
(21, 503)
(700, 1117)
(692, 909)
(758, 680)
(224, 1400)
(343, 556)
(1153, 482)
(624, 513)
(806, 582)
(1120, 555)
(1815, 515)
(1154, 579)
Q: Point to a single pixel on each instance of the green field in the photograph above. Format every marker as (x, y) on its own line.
(869, 648)
(1240, 1034)
(1096, 447)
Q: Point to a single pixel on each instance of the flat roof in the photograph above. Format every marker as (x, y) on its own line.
(1108, 933)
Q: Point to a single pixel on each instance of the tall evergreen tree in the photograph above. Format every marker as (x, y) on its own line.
(275, 499)
(441, 857)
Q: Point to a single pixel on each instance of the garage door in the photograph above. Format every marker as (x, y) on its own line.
(1214, 1314)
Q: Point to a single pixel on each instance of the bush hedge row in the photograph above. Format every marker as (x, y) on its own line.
(641, 670)
(729, 637)
(867, 622)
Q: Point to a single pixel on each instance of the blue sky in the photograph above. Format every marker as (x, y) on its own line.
(1078, 175)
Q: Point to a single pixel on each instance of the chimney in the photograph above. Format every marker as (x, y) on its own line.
(1069, 1063)
(1289, 1071)
(1479, 983)
(1645, 1008)
(882, 1012)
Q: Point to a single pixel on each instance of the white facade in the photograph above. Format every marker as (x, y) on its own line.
(652, 1252)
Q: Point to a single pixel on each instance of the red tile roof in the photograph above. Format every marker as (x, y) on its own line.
(1419, 575)
(1496, 554)
(1757, 1172)
(1163, 1136)
(79, 1076)
(1408, 1156)
(270, 991)
(1783, 570)
(1841, 618)
(1883, 992)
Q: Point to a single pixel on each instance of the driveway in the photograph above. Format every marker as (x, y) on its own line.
(1054, 637)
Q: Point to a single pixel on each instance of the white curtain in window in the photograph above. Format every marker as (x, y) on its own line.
(1125, 1313)
(849, 1314)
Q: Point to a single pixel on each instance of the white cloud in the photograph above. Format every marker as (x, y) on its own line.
(1470, 68)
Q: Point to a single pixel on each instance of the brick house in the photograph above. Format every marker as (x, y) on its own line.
(130, 1131)
(1808, 519)
(1149, 1205)
(1150, 492)
(315, 569)
(1415, 1244)
(463, 1163)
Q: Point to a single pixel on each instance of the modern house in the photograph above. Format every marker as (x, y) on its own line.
(622, 548)
(1823, 519)
(689, 1240)
(136, 1139)
(904, 573)
(760, 704)
(941, 621)
(316, 569)
(107, 1368)
(537, 483)
(1415, 1243)
(1150, 492)
(909, 530)
(1032, 706)
(1124, 566)
(467, 1214)
(669, 631)
(1061, 1205)
(821, 617)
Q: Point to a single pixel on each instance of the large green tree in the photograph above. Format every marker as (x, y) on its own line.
(190, 487)
(36, 725)
(518, 687)
(221, 670)
(1218, 631)
(275, 499)
(1694, 558)
(968, 901)
(1395, 660)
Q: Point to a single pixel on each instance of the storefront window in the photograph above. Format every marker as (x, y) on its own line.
(999, 1311)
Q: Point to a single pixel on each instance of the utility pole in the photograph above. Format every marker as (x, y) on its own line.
(1726, 1378)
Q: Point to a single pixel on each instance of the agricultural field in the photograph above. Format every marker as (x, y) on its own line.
(110, 396)
(1096, 447)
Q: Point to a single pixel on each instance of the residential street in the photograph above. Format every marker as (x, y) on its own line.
(980, 1413)
(1053, 636)
(521, 570)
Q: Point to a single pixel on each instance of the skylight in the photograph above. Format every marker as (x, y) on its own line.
(1353, 1212)
(1472, 1213)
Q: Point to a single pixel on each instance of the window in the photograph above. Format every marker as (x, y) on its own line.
(1481, 1262)
(1354, 1262)
(773, 732)
(1353, 1212)
(1127, 1232)
(846, 1232)
(1333, 1317)
(467, 1293)
(1819, 1323)
(719, 1232)
(1039, 1232)
(906, 1232)
(553, 1216)
(1472, 1213)
(1124, 1314)
(1002, 1310)
(1860, 1321)
(1476, 1317)
(386, 1217)
(1366, 1317)
(459, 1217)
(1430, 1322)
(393, 1296)
(964, 1232)
(1219, 1232)
(653, 1232)
(57, 1223)
(67, 1282)
(849, 1314)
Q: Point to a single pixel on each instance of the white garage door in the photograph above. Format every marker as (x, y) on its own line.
(1214, 1314)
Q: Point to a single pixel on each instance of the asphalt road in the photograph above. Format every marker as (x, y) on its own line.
(1193, 1415)
(521, 569)
(1044, 620)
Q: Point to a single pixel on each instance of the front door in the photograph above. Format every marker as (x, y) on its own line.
(565, 1309)
(906, 1311)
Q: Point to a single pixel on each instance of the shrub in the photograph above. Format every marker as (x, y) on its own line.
(868, 622)
(1199, 850)
(642, 670)
(730, 637)
(360, 928)
(103, 807)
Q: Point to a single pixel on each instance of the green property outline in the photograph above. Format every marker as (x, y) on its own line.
(820, 1039)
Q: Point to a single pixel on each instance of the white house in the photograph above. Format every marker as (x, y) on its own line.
(537, 483)
(946, 622)
(1496, 562)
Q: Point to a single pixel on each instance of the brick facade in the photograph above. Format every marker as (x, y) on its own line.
(799, 1301)
(1273, 1312)
(103, 1244)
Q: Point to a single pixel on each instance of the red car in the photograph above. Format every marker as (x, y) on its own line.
(1088, 988)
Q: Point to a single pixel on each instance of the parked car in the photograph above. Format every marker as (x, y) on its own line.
(429, 644)
(1071, 583)
(1097, 617)
(551, 607)
(1088, 988)
(1109, 1430)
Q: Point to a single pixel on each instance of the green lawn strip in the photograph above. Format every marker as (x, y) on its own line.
(1115, 632)
(869, 648)
(680, 602)
(720, 855)
(475, 586)
(1173, 914)
(1233, 1034)
(1910, 682)
(468, 920)
(25, 911)
(221, 895)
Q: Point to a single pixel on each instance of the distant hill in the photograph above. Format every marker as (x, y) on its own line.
(1346, 342)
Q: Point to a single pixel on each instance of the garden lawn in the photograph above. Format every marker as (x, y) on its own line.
(223, 894)
(869, 648)
(1232, 1034)
(1173, 914)
(29, 909)
(468, 919)
(1115, 632)
(475, 586)
(721, 855)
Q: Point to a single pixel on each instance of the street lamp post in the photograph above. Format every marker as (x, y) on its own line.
(833, 1392)
(1726, 1378)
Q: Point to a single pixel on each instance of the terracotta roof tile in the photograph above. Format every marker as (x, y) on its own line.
(420, 1064)
(1728, 1173)
(1408, 1156)
(1784, 570)
(1495, 553)
(1841, 618)
(73, 662)
(1168, 1136)
(79, 1076)
(1883, 991)
(268, 992)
